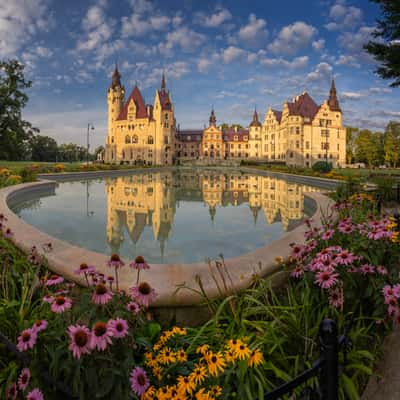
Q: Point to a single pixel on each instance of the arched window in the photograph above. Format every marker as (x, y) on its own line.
(134, 139)
(150, 140)
(127, 139)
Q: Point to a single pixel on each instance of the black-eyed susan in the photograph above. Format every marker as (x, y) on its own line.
(150, 393)
(256, 358)
(203, 349)
(216, 390)
(215, 363)
(186, 384)
(157, 372)
(163, 393)
(242, 351)
(181, 355)
(198, 375)
(166, 356)
(151, 359)
(233, 344)
(203, 395)
(230, 356)
(176, 330)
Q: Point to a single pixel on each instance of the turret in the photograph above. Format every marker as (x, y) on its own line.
(115, 99)
(333, 101)
(255, 122)
(213, 119)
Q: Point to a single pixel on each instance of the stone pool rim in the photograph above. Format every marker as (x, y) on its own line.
(165, 278)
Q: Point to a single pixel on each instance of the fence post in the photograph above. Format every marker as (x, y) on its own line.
(329, 376)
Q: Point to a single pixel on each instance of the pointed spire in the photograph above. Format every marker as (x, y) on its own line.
(163, 83)
(255, 121)
(213, 119)
(333, 101)
(116, 77)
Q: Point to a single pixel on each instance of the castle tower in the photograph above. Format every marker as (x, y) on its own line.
(115, 101)
(163, 114)
(255, 142)
(333, 101)
(213, 119)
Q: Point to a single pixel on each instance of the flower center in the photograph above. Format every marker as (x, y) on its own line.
(119, 327)
(60, 300)
(115, 257)
(214, 359)
(83, 266)
(100, 328)
(24, 378)
(141, 380)
(81, 338)
(101, 289)
(144, 288)
(26, 336)
(54, 277)
(139, 260)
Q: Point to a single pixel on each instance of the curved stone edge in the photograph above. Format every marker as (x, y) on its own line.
(164, 278)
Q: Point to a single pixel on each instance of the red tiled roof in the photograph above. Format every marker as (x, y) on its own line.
(278, 115)
(164, 100)
(141, 111)
(229, 134)
(303, 105)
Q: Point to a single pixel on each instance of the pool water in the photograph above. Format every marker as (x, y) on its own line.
(173, 216)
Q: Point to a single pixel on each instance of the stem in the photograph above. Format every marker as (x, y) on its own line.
(137, 278)
(116, 278)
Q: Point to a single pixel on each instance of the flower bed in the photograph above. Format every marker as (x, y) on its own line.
(103, 342)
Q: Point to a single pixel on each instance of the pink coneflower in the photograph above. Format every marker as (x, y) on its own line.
(48, 298)
(27, 339)
(134, 307)
(47, 247)
(40, 325)
(387, 291)
(101, 336)
(24, 378)
(84, 269)
(35, 394)
(80, 337)
(60, 304)
(396, 290)
(336, 297)
(143, 294)
(352, 269)
(54, 280)
(381, 270)
(12, 392)
(345, 228)
(326, 279)
(328, 234)
(139, 263)
(115, 261)
(8, 233)
(367, 269)
(3, 217)
(345, 258)
(139, 381)
(297, 251)
(101, 294)
(119, 327)
(297, 272)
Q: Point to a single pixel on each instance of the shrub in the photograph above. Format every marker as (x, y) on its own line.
(322, 166)
(28, 173)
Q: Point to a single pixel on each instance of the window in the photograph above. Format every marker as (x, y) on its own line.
(166, 115)
(297, 144)
(127, 139)
(297, 130)
(290, 155)
(150, 140)
(112, 141)
(307, 145)
(235, 138)
(134, 139)
(165, 139)
(245, 138)
(307, 155)
(338, 147)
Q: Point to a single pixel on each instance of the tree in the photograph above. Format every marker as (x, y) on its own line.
(14, 131)
(98, 150)
(386, 50)
(351, 135)
(43, 148)
(392, 144)
(369, 147)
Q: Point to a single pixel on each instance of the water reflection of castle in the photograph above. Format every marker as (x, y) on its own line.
(137, 201)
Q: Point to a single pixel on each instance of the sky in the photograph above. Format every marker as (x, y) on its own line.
(233, 55)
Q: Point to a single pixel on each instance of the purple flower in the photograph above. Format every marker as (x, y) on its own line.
(139, 263)
(143, 294)
(27, 339)
(139, 381)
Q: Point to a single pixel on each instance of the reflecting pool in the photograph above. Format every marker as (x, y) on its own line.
(173, 216)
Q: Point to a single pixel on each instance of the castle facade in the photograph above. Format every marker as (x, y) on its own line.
(300, 134)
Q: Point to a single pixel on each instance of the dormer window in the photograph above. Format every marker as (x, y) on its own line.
(235, 138)
(245, 138)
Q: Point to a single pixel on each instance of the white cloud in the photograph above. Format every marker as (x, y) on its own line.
(293, 38)
(232, 53)
(343, 17)
(175, 70)
(20, 20)
(380, 90)
(138, 25)
(353, 42)
(254, 31)
(43, 52)
(347, 60)
(351, 95)
(216, 19)
(204, 63)
(226, 93)
(184, 38)
(296, 63)
(318, 45)
(322, 72)
(141, 6)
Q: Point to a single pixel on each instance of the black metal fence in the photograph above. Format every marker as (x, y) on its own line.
(326, 368)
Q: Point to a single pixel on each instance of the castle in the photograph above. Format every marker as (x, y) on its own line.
(300, 134)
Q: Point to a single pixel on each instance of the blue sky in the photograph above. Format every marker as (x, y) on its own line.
(233, 54)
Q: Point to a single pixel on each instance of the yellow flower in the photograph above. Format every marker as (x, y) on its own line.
(202, 395)
(203, 349)
(230, 356)
(185, 384)
(256, 358)
(215, 363)
(166, 356)
(233, 344)
(157, 372)
(181, 355)
(163, 393)
(242, 351)
(179, 331)
(151, 359)
(149, 394)
(216, 390)
(198, 375)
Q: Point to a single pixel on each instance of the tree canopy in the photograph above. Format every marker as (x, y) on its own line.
(386, 49)
(15, 133)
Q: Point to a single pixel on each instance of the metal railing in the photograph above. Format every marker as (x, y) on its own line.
(326, 367)
(63, 391)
